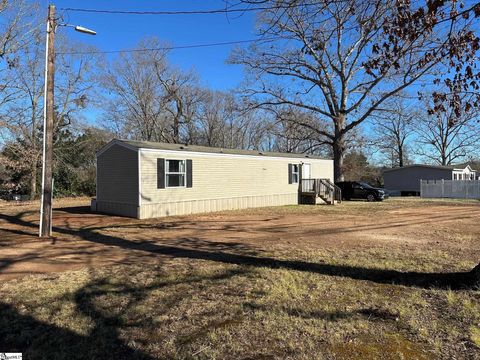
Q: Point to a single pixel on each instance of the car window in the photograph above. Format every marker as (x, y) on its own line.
(365, 185)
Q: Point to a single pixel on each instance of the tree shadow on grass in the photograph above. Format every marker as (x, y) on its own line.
(450, 280)
(111, 304)
(40, 340)
(447, 280)
(372, 314)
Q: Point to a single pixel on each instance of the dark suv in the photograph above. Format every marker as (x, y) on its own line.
(360, 190)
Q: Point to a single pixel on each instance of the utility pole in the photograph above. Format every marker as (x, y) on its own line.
(48, 121)
(48, 112)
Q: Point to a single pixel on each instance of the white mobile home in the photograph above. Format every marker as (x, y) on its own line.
(148, 179)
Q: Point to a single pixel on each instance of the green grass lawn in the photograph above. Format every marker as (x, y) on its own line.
(308, 301)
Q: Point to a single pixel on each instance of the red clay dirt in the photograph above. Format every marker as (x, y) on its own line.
(84, 239)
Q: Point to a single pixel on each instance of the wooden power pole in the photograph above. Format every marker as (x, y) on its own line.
(47, 179)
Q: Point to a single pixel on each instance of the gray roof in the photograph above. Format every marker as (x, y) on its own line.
(439, 167)
(211, 150)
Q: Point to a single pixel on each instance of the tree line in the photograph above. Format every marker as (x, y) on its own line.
(369, 83)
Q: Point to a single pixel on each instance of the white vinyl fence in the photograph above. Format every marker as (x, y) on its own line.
(456, 189)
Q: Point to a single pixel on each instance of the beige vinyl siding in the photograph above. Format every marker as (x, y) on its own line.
(222, 182)
(117, 177)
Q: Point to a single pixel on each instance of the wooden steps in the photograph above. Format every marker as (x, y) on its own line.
(322, 188)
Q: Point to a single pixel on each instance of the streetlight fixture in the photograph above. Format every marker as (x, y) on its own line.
(80, 29)
(85, 30)
(48, 114)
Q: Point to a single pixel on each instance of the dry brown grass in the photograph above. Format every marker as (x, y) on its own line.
(352, 281)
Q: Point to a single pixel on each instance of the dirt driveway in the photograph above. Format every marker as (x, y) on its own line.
(423, 229)
(353, 281)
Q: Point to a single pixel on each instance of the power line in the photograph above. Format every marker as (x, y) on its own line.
(225, 10)
(167, 47)
(186, 12)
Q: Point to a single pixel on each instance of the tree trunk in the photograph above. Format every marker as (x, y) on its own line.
(339, 149)
(33, 180)
(176, 130)
(400, 156)
(338, 156)
(33, 169)
(444, 158)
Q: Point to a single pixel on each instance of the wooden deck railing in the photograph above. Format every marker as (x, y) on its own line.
(323, 188)
(336, 189)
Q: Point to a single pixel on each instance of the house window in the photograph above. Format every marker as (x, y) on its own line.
(295, 173)
(454, 176)
(175, 173)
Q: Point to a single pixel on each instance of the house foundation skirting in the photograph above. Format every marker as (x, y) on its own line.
(210, 205)
(114, 208)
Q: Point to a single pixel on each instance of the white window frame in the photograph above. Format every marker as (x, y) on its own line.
(295, 174)
(184, 173)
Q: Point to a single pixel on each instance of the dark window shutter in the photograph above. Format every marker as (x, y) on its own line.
(290, 173)
(189, 174)
(160, 173)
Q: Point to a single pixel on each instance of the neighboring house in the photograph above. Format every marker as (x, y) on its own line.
(148, 179)
(463, 173)
(406, 180)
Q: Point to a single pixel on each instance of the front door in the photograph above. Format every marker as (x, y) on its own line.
(306, 171)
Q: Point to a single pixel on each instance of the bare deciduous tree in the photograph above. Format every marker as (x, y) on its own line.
(217, 109)
(18, 27)
(446, 138)
(148, 99)
(344, 59)
(134, 98)
(22, 119)
(182, 98)
(392, 128)
(221, 123)
(290, 136)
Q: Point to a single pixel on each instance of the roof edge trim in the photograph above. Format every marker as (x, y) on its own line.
(115, 142)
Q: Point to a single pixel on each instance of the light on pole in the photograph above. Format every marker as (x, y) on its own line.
(48, 115)
(85, 30)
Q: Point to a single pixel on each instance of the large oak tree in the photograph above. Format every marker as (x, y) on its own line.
(343, 59)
